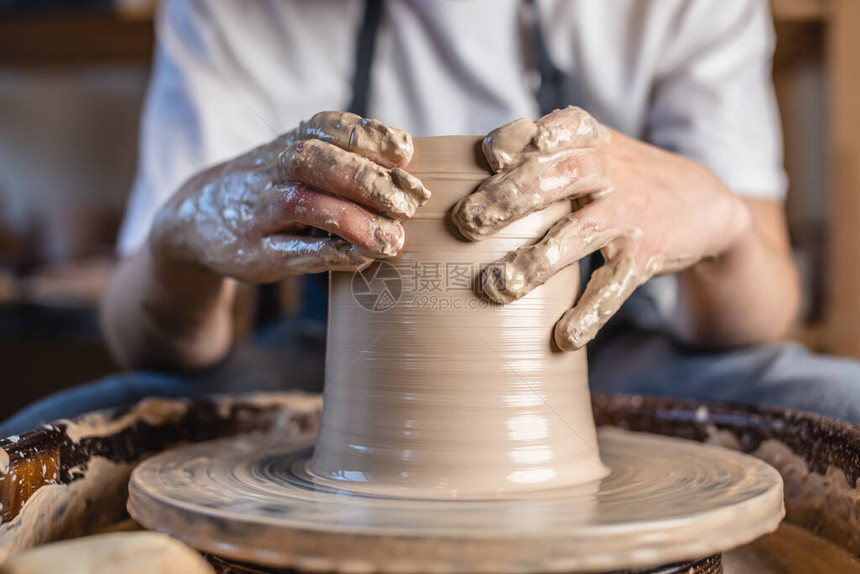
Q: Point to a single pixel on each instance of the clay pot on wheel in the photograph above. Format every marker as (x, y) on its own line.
(432, 389)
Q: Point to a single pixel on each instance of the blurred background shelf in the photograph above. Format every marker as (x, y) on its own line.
(799, 10)
(72, 80)
(56, 38)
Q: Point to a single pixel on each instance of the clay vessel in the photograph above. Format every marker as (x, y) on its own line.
(432, 390)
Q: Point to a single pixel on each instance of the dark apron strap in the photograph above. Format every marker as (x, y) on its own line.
(364, 50)
(315, 287)
(555, 88)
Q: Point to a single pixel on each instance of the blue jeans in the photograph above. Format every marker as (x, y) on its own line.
(783, 375)
(625, 359)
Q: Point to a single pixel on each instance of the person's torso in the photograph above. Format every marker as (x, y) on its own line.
(440, 67)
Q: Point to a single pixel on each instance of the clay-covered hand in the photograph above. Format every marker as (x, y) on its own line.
(648, 210)
(329, 195)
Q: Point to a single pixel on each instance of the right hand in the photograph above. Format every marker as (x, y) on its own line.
(252, 218)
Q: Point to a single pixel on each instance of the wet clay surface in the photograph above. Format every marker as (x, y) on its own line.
(250, 499)
(444, 393)
(825, 502)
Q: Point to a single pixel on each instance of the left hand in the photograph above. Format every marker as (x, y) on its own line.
(648, 210)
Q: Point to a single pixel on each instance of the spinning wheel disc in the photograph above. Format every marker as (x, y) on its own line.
(249, 498)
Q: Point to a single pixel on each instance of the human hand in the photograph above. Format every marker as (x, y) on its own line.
(648, 210)
(257, 218)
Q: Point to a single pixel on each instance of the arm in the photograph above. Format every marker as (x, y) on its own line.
(714, 102)
(161, 317)
(750, 293)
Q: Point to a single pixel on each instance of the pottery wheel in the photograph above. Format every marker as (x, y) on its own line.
(249, 498)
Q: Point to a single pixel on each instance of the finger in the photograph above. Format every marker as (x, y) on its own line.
(503, 146)
(607, 289)
(531, 186)
(530, 266)
(285, 255)
(373, 235)
(394, 193)
(570, 128)
(370, 138)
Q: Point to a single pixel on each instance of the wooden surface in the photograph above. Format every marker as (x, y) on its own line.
(843, 280)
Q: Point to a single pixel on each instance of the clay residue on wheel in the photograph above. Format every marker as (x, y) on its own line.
(824, 503)
(291, 403)
(827, 504)
(45, 497)
(154, 411)
(61, 511)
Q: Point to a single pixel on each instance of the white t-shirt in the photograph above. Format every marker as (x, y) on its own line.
(692, 76)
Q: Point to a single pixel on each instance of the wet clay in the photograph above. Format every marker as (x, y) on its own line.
(445, 394)
(153, 411)
(537, 164)
(60, 511)
(395, 193)
(70, 478)
(384, 145)
(732, 426)
(826, 502)
(250, 499)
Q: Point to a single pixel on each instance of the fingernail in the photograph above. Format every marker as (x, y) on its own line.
(468, 218)
(568, 338)
(411, 186)
(503, 282)
(389, 237)
(403, 147)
